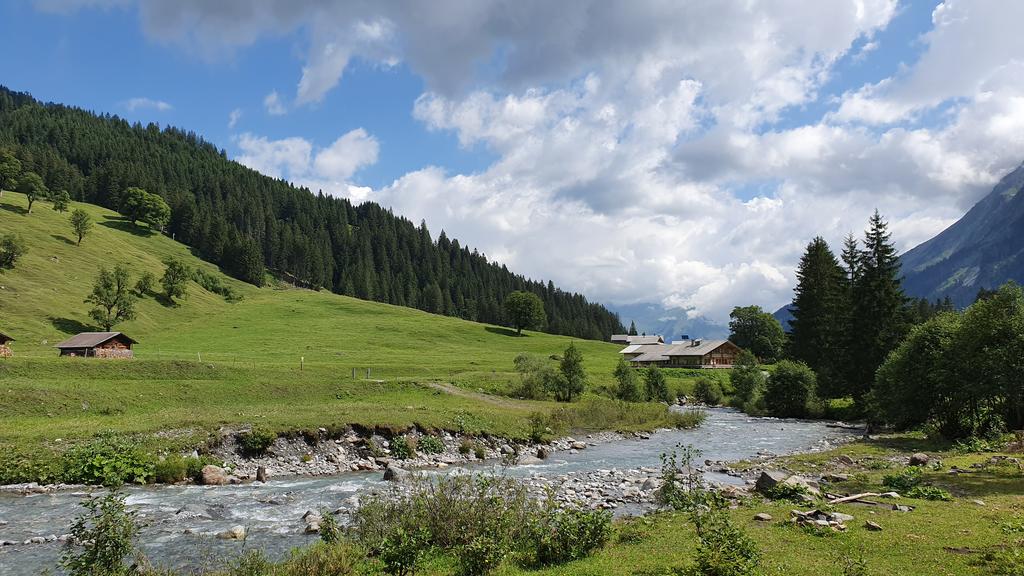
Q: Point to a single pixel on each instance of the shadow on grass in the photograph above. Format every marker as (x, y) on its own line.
(911, 445)
(502, 331)
(13, 208)
(69, 326)
(124, 225)
(63, 239)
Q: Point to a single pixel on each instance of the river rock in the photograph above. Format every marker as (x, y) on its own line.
(845, 460)
(312, 528)
(193, 511)
(215, 475)
(396, 474)
(763, 517)
(542, 452)
(770, 479)
(527, 460)
(261, 474)
(578, 445)
(873, 526)
(233, 533)
(919, 459)
(7, 543)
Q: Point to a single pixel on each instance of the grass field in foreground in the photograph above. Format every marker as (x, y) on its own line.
(282, 357)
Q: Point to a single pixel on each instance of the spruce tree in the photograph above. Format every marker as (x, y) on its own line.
(632, 328)
(816, 335)
(879, 306)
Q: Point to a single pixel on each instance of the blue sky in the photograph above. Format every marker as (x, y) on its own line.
(678, 154)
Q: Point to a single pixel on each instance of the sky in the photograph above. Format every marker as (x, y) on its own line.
(680, 153)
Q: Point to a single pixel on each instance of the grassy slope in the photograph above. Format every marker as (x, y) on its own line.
(937, 538)
(251, 350)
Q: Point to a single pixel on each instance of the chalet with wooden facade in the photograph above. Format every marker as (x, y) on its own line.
(5, 346)
(97, 345)
(684, 354)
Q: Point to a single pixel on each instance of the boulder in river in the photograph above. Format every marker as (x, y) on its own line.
(261, 474)
(215, 475)
(233, 533)
(395, 474)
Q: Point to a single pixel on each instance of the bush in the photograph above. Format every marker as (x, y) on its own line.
(212, 283)
(782, 491)
(905, 480)
(928, 493)
(101, 537)
(465, 447)
(708, 392)
(746, 378)
(479, 452)
(256, 442)
(481, 556)
(723, 549)
(145, 283)
(194, 466)
(628, 383)
(655, 385)
(108, 460)
(564, 536)
(402, 550)
(320, 559)
(170, 470)
(789, 390)
(403, 448)
(330, 530)
(430, 445)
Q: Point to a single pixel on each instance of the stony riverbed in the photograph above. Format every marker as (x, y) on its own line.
(181, 523)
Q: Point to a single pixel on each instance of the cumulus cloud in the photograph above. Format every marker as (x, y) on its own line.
(273, 105)
(133, 104)
(639, 153)
(233, 117)
(298, 160)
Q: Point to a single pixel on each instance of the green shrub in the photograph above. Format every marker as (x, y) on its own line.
(330, 530)
(321, 559)
(194, 466)
(656, 386)
(790, 390)
(479, 451)
(783, 491)
(375, 449)
(212, 283)
(723, 549)
(430, 445)
(256, 442)
(401, 551)
(101, 537)
(144, 285)
(403, 448)
(465, 447)
(905, 480)
(170, 470)
(110, 460)
(251, 563)
(928, 493)
(708, 392)
(569, 535)
(481, 556)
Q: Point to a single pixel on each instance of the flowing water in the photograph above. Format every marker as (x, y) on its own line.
(272, 512)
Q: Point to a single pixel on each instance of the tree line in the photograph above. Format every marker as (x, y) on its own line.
(245, 222)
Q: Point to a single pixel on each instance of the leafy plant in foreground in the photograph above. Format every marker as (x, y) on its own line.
(101, 537)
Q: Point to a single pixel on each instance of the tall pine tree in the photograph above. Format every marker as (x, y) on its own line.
(879, 306)
(818, 309)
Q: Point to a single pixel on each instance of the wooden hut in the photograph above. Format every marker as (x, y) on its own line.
(5, 346)
(97, 345)
(689, 354)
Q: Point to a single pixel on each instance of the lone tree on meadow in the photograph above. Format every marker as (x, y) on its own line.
(31, 185)
(629, 383)
(12, 247)
(61, 200)
(175, 279)
(10, 169)
(138, 205)
(524, 310)
(81, 223)
(572, 378)
(112, 298)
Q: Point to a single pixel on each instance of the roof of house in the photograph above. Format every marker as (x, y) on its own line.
(646, 340)
(620, 338)
(662, 352)
(639, 348)
(91, 339)
(5, 338)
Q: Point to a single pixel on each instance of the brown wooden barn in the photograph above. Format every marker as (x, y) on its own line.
(97, 345)
(5, 346)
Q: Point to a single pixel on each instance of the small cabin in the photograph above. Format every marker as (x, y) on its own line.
(5, 346)
(98, 345)
(687, 354)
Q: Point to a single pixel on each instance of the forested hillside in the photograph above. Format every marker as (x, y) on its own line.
(232, 216)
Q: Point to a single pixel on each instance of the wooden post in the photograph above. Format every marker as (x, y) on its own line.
(367, 373)
(200, 355)
(302, 362)
(353, 373)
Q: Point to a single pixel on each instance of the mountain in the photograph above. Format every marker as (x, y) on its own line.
(231, 215)
(984, 249)
(784, 315)
(672, 323)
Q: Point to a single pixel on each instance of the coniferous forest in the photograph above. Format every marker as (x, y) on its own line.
(244, 221)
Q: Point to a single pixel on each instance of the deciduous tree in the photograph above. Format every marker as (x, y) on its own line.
(81, 223)
(31, 185)
(573, 377)
(111, 297)
(629, 386)
(12, 247)
(175, 279)
(10, 169)
(752, 328)
(524, 310)
(61, 200)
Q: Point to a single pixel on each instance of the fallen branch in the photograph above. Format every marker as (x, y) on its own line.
(852, 498)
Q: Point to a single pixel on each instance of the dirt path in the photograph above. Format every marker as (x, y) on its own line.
(487, 398)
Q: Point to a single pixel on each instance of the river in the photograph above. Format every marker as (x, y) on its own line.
(272, 512)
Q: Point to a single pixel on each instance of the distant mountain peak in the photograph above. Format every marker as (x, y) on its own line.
(983, 249)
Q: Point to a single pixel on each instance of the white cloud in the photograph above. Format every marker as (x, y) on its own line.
(133, 104)
(234, 117)
(272, 103)
(297, 160)
(637, 154)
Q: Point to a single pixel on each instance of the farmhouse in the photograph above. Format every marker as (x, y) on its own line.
(627, 339)
(685, 354)
(5, 348)
(97, 345)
